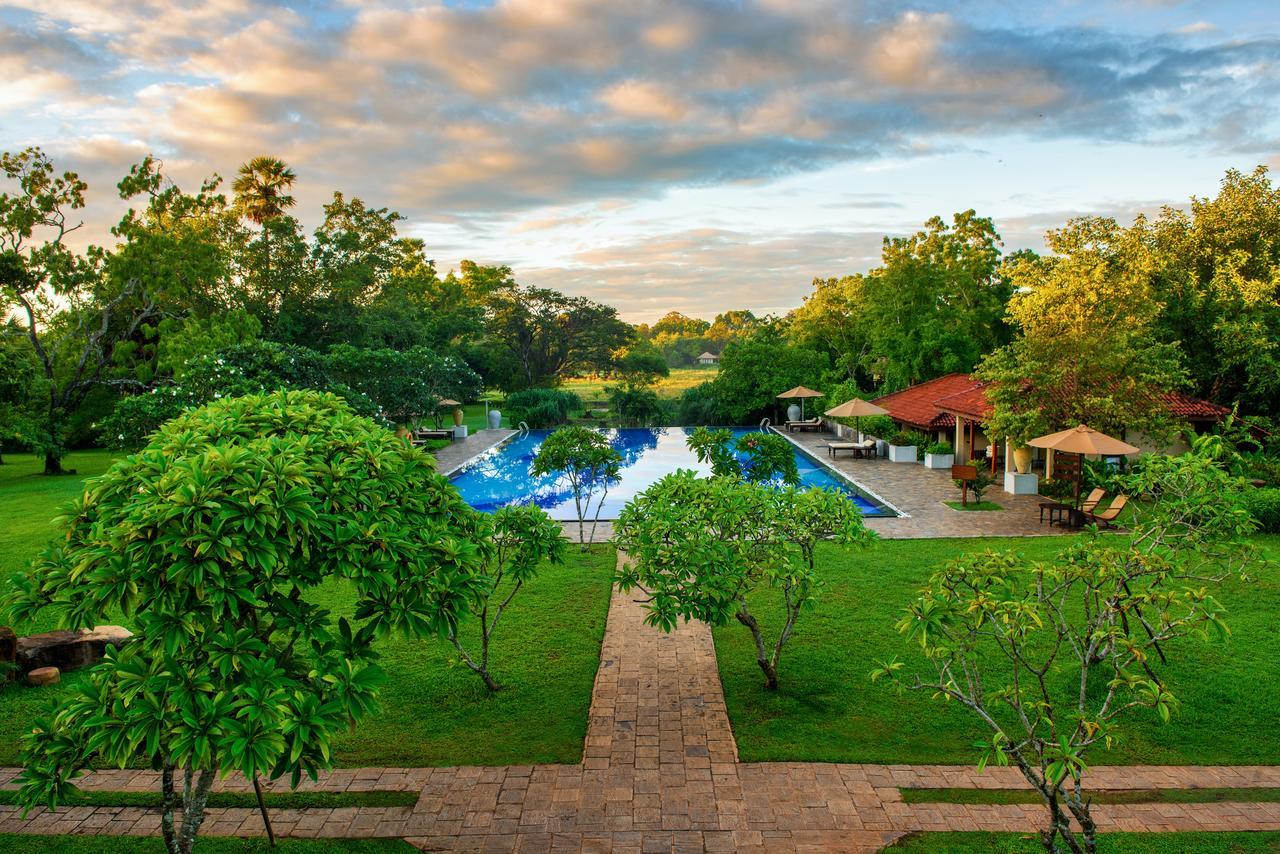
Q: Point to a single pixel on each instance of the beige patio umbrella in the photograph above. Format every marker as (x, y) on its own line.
(447, 402)
(1083, 440)
(800, 392)
(855, 409)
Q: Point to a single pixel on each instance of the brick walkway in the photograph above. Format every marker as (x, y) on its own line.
(660, 773)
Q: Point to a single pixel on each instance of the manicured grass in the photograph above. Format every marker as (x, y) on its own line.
(204, 844)
(246, 800)
(1108, 843)
(972, 506)
(434, 710)
(1123, 796)
(592, 388)
(828, 710)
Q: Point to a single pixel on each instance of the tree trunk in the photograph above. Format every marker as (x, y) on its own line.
(52, 463)
(262, 808)
(166, 812)
(193, 804)
(762, 656)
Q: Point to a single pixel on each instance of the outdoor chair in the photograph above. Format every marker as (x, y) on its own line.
(858, 449)
(1108, 516)
(811, 424)
(1091, 503)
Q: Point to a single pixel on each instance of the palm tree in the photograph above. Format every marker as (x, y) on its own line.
(262, 193)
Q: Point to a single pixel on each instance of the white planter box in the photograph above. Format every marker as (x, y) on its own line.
(939, 461)
(460, 431)
(1021, 484)
(902, 453)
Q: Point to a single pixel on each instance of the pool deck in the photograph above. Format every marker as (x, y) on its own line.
(460, 451)
(919, 493)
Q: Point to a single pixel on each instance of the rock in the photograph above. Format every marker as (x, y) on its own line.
(8, 654)
(44, 676)
(68, 650)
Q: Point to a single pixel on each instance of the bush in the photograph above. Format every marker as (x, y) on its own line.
(1262, 467)
(1057, 488)
(697, 407)
(907, 438)
(939, 448)
(880, 426)
(542, 407)
(636, 407)
(979, 485)
(1264, 507)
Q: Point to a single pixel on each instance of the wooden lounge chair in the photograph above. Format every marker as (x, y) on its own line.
(1108, 516)
(421, 437)
(1091, 503)
(811, 424)
(864, 448)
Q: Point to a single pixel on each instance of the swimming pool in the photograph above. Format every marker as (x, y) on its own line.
(500, 476)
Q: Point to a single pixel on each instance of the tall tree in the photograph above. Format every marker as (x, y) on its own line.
(262, 194)
(1086, 349)
(830, 320)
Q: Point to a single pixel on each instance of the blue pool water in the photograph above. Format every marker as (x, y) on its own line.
(500, 476)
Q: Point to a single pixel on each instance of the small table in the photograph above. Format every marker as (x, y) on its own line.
(1060, 514)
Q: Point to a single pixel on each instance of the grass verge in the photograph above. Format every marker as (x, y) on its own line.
(230, 800)
(827, 709)
(16, 842)
(1102, 796)
(1108, 843)
(973, 506)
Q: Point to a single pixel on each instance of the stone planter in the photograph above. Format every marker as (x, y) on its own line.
(495, 419)
(939, 461)
(793, 412)
(1021, 484)
(902, 453)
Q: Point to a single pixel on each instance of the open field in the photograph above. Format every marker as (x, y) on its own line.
(670, 387)
(828, 710)
(435, 712)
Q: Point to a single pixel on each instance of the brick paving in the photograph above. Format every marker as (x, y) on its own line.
(920, 492)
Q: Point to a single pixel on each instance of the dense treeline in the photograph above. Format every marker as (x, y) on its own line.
(194, 275)
(207, 293)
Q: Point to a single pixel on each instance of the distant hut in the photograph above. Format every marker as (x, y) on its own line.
(708, 359)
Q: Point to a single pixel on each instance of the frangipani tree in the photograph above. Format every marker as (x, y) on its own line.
(699, 547)
(585, 457)
(1054, 656)
(209, 541)
(522, 537)
(756, 457)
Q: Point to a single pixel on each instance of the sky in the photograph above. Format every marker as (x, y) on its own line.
(658, 156)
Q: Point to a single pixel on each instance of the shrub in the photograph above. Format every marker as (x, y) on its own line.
(880, 426)
(979, 485)
(907, 438)
(1057, 488)
(636, 406)
(542, 407)
(697, 407)
(754, 457)
(1264, 507)
(209, 542)
(939, 448)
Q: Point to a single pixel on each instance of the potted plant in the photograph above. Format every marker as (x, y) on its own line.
(903, 446)
(939, 455)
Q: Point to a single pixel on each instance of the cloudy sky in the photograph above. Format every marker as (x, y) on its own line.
(697, 156)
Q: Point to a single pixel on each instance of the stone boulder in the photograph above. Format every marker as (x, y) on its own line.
(44, 676)
(68, 650)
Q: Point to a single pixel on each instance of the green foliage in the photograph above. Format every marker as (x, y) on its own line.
(940, 448)
(1264, 508)
(754, 371)
(879, 426)
(523, 538)
(1057, 488)
(636, 407)
(245, 369)
(697, 407)
(405, 384)
(208, 542)
(904, 438)
(584, 457)
(641, 365)
(937, 303)
(542, 407)
(755, 457)
(993, 625)
(699, 547)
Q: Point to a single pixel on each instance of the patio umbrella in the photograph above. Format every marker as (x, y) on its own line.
(445, 402)
(855, 409)
(1083, 440)
(800, 392)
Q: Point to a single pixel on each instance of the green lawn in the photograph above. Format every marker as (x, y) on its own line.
(1206, 795)
(827, 709)
(435, 712)
(1108, 843)
(205, 845)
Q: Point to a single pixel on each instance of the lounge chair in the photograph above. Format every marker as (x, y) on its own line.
(811, 424)
(1091, 503)
(1106, 517)
(422, 436)
(866, 447)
